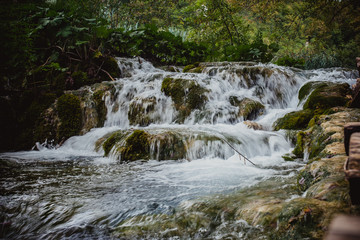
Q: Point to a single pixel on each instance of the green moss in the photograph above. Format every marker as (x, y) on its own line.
(111, 141)
(137, 146)
(100, 107)
(248, 109)
(69, 112)
(190, 67)
(330, 188)
(328, 95)
(306, 89)
(299, 148)
(289, 157)
(304, 219)
(294, 120)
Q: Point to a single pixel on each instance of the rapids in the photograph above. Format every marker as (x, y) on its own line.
(74, 192)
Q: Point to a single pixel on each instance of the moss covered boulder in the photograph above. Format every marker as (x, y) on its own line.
(186, 94)
(294, 120)
(327, 95)
(249, 109)
(144, 145)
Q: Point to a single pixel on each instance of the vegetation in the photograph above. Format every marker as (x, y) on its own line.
(69, 111)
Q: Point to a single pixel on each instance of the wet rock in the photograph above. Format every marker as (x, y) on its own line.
(141, 111)
(69, 112)
(91, 113)
(194, 68)
(320, 137)
(249, 109)
(294, 120)
(186, 94)
(143, 145)
(253, 125)
(328, 95)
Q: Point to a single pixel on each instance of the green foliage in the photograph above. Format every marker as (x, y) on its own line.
(156, 45)
(290, 62)
(256, 51)
(69, 112)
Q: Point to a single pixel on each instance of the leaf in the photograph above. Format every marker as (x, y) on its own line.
(65, 32)
(78, 43)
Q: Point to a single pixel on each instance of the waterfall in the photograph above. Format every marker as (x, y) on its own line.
(189, 120)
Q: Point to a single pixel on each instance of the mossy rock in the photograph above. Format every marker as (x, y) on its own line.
(307, 88)
(137, 146)
(294, 120)
(140, 111)
(304, 218)
(328, 95)
(248, 109)
(186, 94)
(111, 140)
(193, 68)
(130, 145)
(332, 188)
(100, 107)
(289, 157)
(69, 112)
(79, 79)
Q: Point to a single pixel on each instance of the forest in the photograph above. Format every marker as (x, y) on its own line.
(48, 47)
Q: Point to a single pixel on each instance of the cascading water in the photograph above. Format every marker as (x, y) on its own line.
(75, 192)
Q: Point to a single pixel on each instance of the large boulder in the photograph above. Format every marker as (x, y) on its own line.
(325, 95)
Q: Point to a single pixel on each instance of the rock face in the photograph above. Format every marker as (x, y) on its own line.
(74, 113)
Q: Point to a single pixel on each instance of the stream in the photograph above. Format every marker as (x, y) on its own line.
(74, 192)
